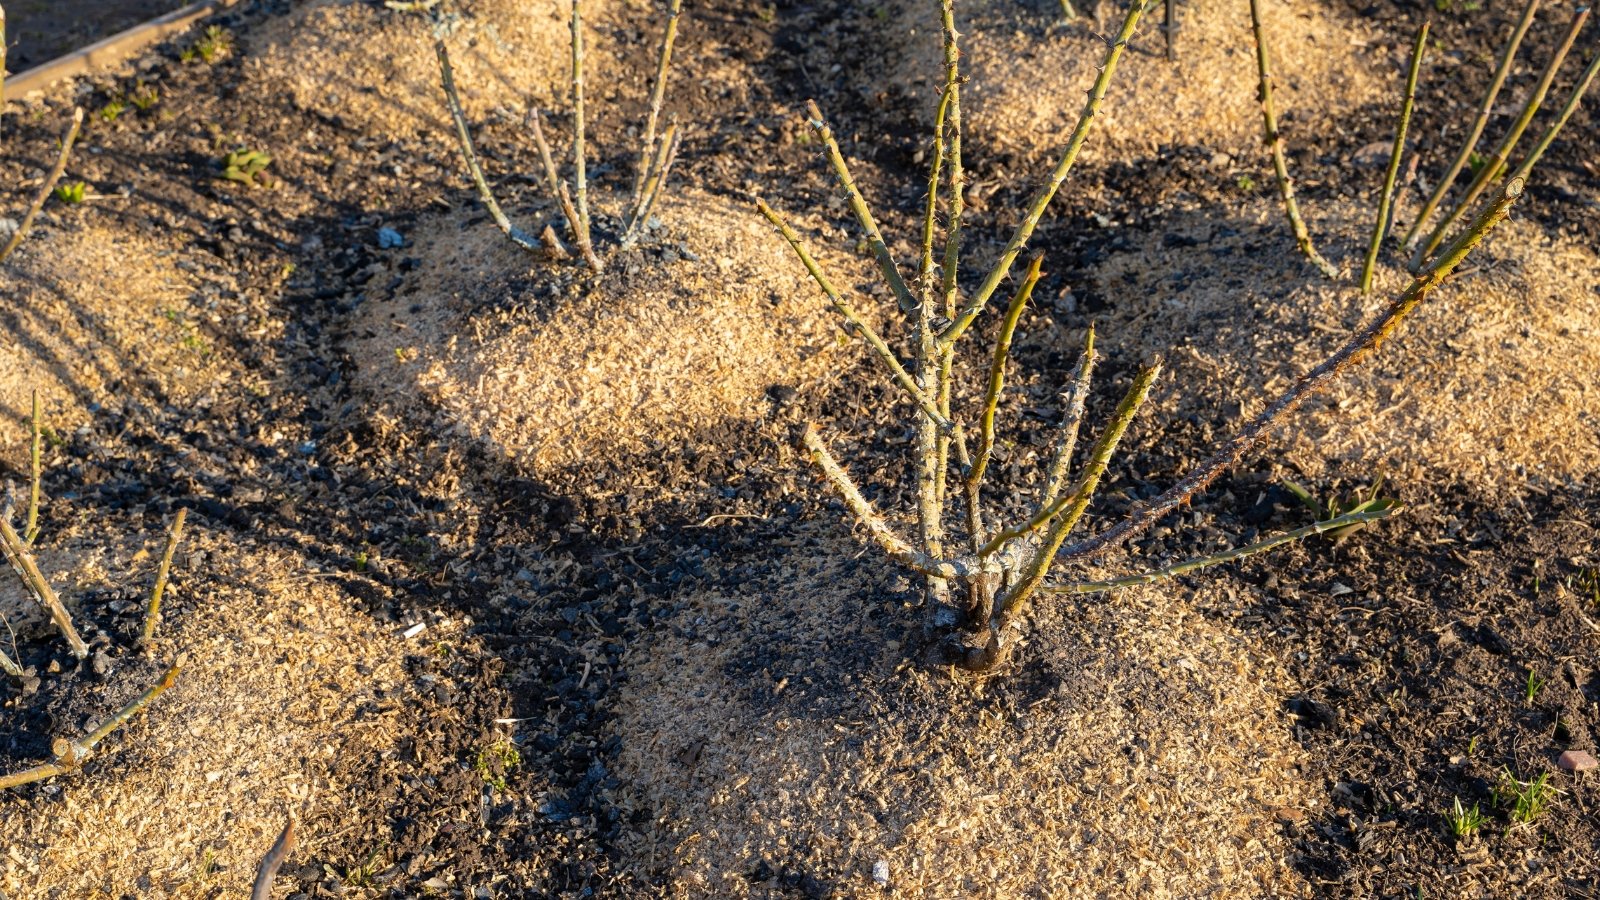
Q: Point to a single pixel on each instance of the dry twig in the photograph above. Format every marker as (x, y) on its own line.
(70, 755)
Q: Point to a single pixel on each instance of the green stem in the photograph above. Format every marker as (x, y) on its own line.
(1274, 141)
(452, 101)
(31, 532)
(1277, 540)
(1073, 400)
(659, 167)
(70, 755)
(1497, 160)
(647, 147)
(1381, 227)
(1041, 200)
(1360, 345)
(1485, 109)
(997, 371)
(1549, 136)
(1010, 604)
(580, 174)
(896, 369)
(49, 185)
(863, 213)
(152, 612)
(17, 554)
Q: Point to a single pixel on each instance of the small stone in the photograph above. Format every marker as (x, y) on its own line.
(880, 873)
(100, 663)
(1576, 761)
(389, 239)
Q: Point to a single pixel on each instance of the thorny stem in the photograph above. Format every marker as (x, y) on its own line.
(930, 215)
(1039, 520)
(261, 889)
(31, 531)
(580, 174)
(997, 371)
(1549, 136)
(580, 235)
(1485, 109)
(1171, 29)
(1010, 604)
(49, 185)
(893, 544)
(654, 185)
(1497, 160)
(1073, 399)
(1381, 227)
(958, 175)
(1041, 200)
(863, 213)
(548, 163)
(896, 369)
(70, 755)
(452, 101)
(647, 146)
(1358, 347)
(1261, 546)
(152, 612)
(1274, 141)
(17, 554)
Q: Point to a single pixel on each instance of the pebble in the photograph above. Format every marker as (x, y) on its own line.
(1576, 761)
(880, 873)
(389, 239)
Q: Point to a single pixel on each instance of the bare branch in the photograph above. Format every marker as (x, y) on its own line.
(21, 559)
(31, 529)
(896, 369)
(1358, 347)
(1497, 160)
(893, 544)
(1041, 200)
(1484, 111)
(70, 755)
(1274, 141)
(268, 870)
(1381, 227)
(580, 175)
(647, 146)
(1372, 514)
(997, 371)
(67, 140)
(1073, 399)
(452, 101)
(152, 612)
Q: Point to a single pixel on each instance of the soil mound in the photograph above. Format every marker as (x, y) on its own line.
(97, 314)
(559, 371)
(1488, 383)
(286, 681)
(1029, 73)
(775, 738)
(373, 70)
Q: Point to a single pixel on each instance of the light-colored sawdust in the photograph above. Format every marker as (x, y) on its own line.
(374, 69)
(285, 678)
(1490, 384)
(1029, 74)
(556, 373)
(1138, 753)
(97, 314)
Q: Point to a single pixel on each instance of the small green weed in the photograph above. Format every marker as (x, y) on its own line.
(1354, 502)
(1587, 583)
(1245, 184)
(1530, 689)
(144, 96)
(209, 47)
(1527, 800)
(246, 166)
(111, 110)
(1464, 823)
(362, 875)
(495, 762)
(71, 193)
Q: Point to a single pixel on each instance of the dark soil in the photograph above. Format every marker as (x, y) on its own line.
(1414, 642)
(38, 31)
